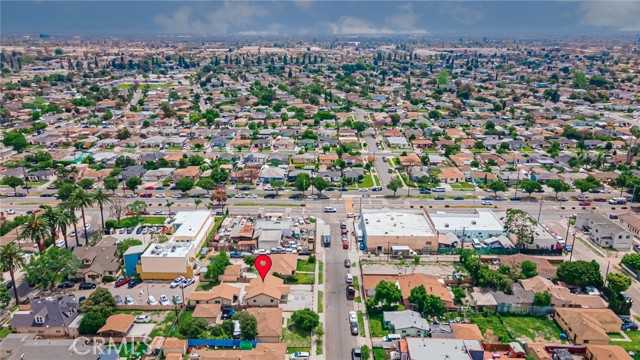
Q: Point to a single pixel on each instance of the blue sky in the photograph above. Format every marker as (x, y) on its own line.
(313, 17)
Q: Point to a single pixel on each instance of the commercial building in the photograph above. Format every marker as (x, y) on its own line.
(383, 228)
(471, 224)
(450, 349)
(177, 257)
(604, 232)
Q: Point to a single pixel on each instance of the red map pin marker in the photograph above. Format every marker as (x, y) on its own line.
(262, 264)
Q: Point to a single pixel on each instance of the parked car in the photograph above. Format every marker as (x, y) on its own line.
(66, 285)
(151, 300)
(376, 188)
(122, 281)
(354, 329)
(128, 300)
(227, 312)
(458, 198)
(175, 283)
(87, 286)
(312, 197)
(164, 300)
(143, 319)
(345, 245)
(584, 203)
(353, 317)
(487, 202)
(270, 196)
(487, 198)
(133, 283)
(187, 282)
(329, 209)
(628, 325)
(438, 198)
(177, 299)
(236, 255)
(347, 263)
(118, 299)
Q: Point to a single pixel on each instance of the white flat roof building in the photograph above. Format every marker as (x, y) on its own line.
(383, 228)
(475, 223)
(441, 349)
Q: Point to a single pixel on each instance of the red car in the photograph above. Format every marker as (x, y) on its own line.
(150, 188)
(345, 245)
(584, 203)
(122, 281)
(600, 200)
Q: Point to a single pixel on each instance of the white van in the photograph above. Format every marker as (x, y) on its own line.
(299, 356)
(438, 189)
(477, 244)
(392, 337)
(349, 279)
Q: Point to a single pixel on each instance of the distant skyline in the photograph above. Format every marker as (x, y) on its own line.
(317, 18)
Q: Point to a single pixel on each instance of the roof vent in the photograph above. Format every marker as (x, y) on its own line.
(473, 222)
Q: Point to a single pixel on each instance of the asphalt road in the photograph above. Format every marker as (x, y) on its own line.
(338, 340)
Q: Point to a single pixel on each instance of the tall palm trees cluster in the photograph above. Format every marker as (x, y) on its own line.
(47, 223)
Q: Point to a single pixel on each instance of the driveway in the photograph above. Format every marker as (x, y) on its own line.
(300, 297)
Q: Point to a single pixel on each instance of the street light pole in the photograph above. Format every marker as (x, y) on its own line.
(572, 247)
(540, 209)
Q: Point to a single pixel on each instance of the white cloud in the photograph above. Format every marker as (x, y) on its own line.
(404, 21)
(229, 16)
(464, 14)
(303, 4)
(273, 29)
(611, 14)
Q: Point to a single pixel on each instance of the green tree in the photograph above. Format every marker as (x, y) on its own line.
(303, 182)
(305, 319)
(65, 190)
(13, 182)
(617, 283)
(11, 260)
(387, 293)
(101, 198)
(458, 294)
(632, 261)
(320, 184)
(197, 202)
(580, 273)
(217, 266)
(125, 244)
(528, 269)
(192, 328)
(35, 228)
(91, 323)
(133, 183)
(185, 184)
(277, 185)
(5, 297)
(583, 185)
(394, 185)
(365, 352)
(542, 298)
(444, 77)
(497, 185)
(248, 325)
(16, 140)
(522, 225)
(100, 301)
(558, 186)
(206, 184)
(530, 186)
(82, 199)
(579, 80)
(51, 265)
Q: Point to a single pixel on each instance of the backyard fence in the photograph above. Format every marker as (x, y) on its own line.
(239, 344)
(507, 308)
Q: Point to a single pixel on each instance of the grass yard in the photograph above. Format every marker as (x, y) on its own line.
(304, 279)
(295, 338)
(615, 335)
(376, 180)
(633, 345)
(375, 324)
(379, 354)
(174, 148)
(291, 350)
(206, 285)
(361, 324)
(153, 220)
(36, 183)
(356, 282)
(493, 324)
(533, 327)
(367, 182)
(320, 302)
(305, 266)
(320, 272)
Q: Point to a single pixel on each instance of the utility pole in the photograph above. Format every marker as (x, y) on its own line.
(540, 209)
(462, 244)
(568, 227)
(572, 246)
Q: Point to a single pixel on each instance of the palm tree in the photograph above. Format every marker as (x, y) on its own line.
(72, 219)
(82, 199)
(169, 204)
(197, 202)
(101, 198)
(65, 219)
(11, 260)
(54, 217)
(35, 228)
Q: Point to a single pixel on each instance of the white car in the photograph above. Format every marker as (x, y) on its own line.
(312, 197)
(175, 283)
(187, 282)
(164, 300)
(487, 202)
(143, 319)
(10, 211)
(152, 300)
(87, 227)
(252, 196)
(330, 209)
(353, 317)
(128, 300)
(176, 196)
(364, 189)
(161, 196)
(60, 243)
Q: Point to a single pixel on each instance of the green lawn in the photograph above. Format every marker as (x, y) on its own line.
(153, 220)
(356, 283)
(320, 302)
(376, 180)
(633, 345)
(36, 183)
(291, 350)
(375, 324)
(367, 182)
(491, 322)
(361, 323)
(206, 285)
(305, 266)
(615, 335)
(132, 221)
(321, 272)
(379, 354)
(533, 327)
(174, 148)
(304, 279)
(292, 337)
